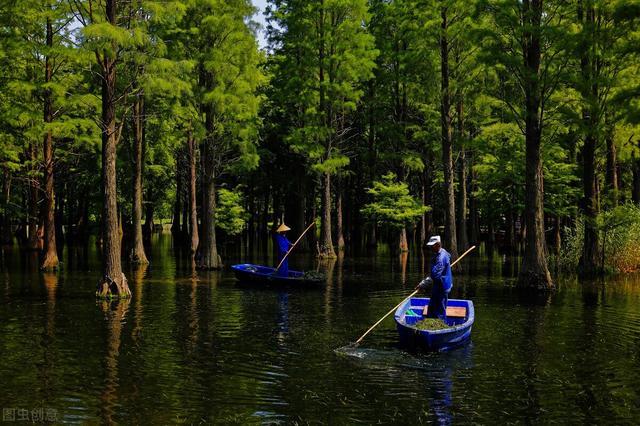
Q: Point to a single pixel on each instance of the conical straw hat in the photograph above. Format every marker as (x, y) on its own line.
(283, 228)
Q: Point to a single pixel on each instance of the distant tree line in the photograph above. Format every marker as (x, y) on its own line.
(499, 121)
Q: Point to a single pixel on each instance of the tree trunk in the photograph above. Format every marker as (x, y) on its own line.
(426, 228)
(177, 206)
(60, 206)
(147, 229)
(510, 234)
(474, 229)
(450, 240)
(589, 259)
(635, 191)
(113, 283)
(424, 223)
(74, 215)
(372, 155)
(462, 201)
(300, 217)
(83, 221)
(50, 259)
(32, 221)
(193, 210)
(184, 229)
(534, 271)
(5, 228)
(326, 242)
(59, 217)
(209, 258)
(403, 244)
(339, 221)
(137, 253)
(557, 240)
(612, 168)
(491, 237)
(461, 231)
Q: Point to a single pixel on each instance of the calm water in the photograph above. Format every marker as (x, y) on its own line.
(202, 348)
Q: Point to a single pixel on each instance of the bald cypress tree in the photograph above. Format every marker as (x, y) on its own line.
(105, 35)
(525, 42)
(327, 51)
(220, 41)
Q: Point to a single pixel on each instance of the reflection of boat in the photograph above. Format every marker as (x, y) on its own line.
(460, 317)
(249, 272)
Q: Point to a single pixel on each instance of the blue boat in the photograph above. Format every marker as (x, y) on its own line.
(250, 273)
(460, 317)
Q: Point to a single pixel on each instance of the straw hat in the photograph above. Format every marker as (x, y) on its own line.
(283, 228)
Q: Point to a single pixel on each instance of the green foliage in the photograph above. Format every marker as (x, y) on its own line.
(349, 88)
(392, 204)
(500, 166)
(217, 37)
(619, 232)
(402, 96)
(323, 56)
(231, 216)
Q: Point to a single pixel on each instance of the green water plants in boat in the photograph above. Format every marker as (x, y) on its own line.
(431, 324)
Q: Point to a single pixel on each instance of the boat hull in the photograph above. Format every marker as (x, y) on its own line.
(250, 273)
(410, 312)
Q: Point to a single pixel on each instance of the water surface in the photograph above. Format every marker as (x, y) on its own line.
(202, 348)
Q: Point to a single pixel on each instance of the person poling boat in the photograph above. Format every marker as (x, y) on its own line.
(469, 319)
(440, 279)
(281, 274)
(284, 245)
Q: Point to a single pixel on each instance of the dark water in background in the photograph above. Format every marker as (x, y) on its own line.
(206, 349)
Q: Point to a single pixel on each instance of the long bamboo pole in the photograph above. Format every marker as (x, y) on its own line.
(294, 244)
(403, 300)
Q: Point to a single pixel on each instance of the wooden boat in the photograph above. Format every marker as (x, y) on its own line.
(248, 272)
(460, 317)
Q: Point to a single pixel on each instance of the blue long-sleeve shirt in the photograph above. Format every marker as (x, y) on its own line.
(283, 247)
(283, 244)
(441, 269)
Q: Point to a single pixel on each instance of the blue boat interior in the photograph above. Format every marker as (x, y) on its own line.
(263, 270)
(414, 312)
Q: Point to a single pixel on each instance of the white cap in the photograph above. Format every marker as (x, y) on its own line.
(434, 240)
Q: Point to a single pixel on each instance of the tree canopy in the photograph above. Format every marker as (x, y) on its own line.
(509, 123)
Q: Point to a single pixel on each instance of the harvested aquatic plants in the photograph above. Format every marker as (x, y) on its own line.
(431, 324)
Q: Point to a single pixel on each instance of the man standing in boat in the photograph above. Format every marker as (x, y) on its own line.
(440, 279)
(283, 247)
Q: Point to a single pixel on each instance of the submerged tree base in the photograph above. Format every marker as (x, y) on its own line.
(325, 252)
(110, 289)
(536, 280)
(50, 262)
(327, 256)
(211, 266)
(138, 258)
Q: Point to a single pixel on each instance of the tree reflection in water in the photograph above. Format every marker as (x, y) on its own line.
(114, 315)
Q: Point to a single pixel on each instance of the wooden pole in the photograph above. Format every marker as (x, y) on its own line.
(294, 244)
(403, 300)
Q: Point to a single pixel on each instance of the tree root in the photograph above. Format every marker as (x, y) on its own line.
(111, 289)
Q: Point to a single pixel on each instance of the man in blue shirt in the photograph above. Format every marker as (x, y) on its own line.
(440, 279)
(283, 247)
